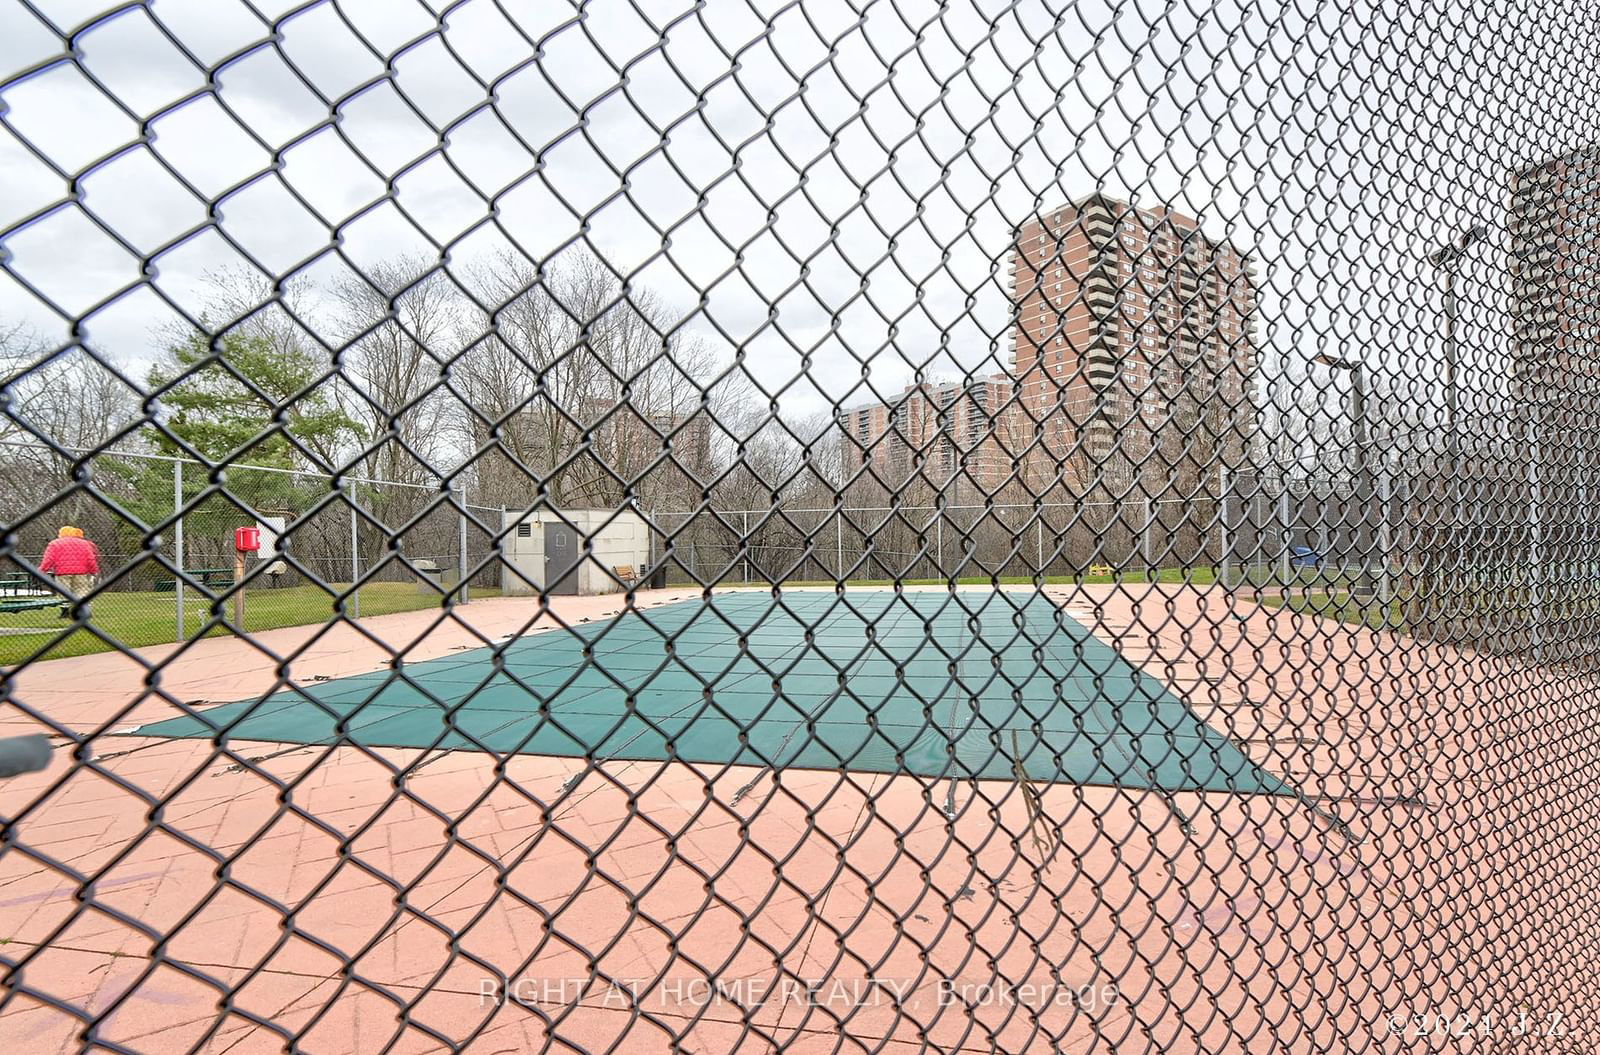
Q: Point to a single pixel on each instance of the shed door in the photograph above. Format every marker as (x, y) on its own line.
(562, 547)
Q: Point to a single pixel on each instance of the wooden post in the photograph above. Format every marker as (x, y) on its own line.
(238, 590)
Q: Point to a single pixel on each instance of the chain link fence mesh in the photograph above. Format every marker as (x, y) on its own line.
(810, 526)
(311, 554)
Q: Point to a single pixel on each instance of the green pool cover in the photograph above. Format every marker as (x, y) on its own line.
(928, 683)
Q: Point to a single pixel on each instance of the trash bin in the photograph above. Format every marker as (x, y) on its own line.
(430, 577)
(658, 577)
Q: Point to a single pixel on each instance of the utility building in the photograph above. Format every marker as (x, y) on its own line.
(574, 551)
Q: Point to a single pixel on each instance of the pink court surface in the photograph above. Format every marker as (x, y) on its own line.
(831, 912)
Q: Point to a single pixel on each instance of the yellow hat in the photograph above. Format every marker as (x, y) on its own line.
(70, 532)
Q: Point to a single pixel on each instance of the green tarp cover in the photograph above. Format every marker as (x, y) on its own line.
(924, 682)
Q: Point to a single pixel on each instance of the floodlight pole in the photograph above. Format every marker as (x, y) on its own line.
(1448, 259)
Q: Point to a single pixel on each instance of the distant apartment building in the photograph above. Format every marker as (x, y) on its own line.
(1554, 224)
(1134, 340)
(689, 436)
(938, 432)
(1134, 333)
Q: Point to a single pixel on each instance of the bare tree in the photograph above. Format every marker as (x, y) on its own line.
(59, 397)
(56, 404)
(584, 388)
(399, 323)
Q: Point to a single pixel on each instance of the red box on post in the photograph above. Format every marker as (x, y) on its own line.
(247, 539)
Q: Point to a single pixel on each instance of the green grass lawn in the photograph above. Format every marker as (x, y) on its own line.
(137, 619)
(1343, 607)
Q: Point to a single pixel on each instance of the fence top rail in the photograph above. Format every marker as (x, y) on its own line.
(95, 452)
(920, 508)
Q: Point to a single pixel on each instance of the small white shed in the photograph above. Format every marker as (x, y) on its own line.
(546, 549)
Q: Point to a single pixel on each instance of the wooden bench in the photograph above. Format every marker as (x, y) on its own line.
(210, 578)
(626, 573)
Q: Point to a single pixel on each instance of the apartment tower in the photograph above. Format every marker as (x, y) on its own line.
(1134, 343)
(968, 430)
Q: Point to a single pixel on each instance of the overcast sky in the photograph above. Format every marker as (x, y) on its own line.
(800, 181)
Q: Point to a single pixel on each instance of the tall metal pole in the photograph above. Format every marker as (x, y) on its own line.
(1364, 491)
(744, 544)
(1452, 435)
(177, 540)
(1448, 259)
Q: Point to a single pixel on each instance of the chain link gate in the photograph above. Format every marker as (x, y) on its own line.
(990, 526)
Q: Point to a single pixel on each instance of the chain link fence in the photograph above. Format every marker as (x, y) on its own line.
(311, 551)
(1133, 539)
(839, 526)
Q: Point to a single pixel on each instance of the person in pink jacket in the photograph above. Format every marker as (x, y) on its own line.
(73, 561)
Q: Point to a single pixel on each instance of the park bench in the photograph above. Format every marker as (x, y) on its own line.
(210, 578)
(12, 601)
(626, 573)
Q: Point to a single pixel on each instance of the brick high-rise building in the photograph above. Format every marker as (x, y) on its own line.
(1134, 332)
(971, 429)
(1554, 224)
(1553, 435)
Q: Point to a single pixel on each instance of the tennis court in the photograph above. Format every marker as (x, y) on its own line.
(970, 685)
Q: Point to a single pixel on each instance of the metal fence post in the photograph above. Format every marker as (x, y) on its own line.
(1223, 573)
(1536, 538)
(177, 541)
(1145, 537)
(461, 549)
(838, 541)
(744, 544)
(1285, 527)
(355, 563)
(1385, 588)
